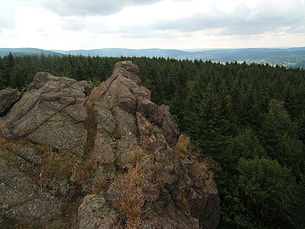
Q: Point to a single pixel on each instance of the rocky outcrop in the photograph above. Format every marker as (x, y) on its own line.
(8, 97)
(143, 182)
(52, 112)
(112, 146)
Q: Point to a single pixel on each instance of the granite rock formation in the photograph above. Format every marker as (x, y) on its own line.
(51, 111)
(110, 148)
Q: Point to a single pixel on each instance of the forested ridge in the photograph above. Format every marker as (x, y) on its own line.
(246, 120)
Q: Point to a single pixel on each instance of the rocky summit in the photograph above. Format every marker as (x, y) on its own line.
(74, 156)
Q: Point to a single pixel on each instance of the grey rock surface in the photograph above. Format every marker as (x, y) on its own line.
(95, 212)
(21, 200)
(112, 146)
(143, 181)
(52, 112)
(8, 97)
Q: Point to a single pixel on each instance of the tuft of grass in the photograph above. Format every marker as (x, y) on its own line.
(81, 169)
(63, 165)
(182, 146)
(8, 156)
(98, 187)
(41, 149)
(183, 143)
(131, 199)
(56, 168)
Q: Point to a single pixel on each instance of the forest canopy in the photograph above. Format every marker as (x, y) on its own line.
(247, 120)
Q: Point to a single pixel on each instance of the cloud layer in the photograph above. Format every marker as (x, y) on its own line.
(93, 7)
(241, 19)
(152, 23)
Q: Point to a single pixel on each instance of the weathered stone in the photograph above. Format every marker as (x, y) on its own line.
(8, 97)
(143, 181)
(22, 201)
(150, 136)
(30, 156)
(95, 213)
(52, 112)
(138, 168)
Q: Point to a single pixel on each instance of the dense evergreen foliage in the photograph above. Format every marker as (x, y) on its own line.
(249, 120)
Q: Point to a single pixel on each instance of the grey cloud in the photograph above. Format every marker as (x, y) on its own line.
(243, 21)
(91, 7)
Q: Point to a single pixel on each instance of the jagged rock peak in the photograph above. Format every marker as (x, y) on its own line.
(141, 178)
(128, 70)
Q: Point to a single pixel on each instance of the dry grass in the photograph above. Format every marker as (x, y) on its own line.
(182, 146)
(8, 156)
(55, 165)
(98, 187)
(58, 165)
(64, 165)
(131, 198)
(81, 169)
(9, 149)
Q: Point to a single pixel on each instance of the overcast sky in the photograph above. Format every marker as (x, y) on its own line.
(173, 24)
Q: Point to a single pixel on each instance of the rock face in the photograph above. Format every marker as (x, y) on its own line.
(141, 173)
(52, 112)
(22, 200)
(8, 97)
(143, 181)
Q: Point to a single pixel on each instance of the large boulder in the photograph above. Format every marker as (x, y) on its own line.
(8, 97)
(52, 112)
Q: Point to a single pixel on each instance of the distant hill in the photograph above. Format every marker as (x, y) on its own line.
(27, 51)
(300, 64)
(117, 52)
(289, 57)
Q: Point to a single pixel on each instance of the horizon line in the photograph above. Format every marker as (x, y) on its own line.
(179, 49)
